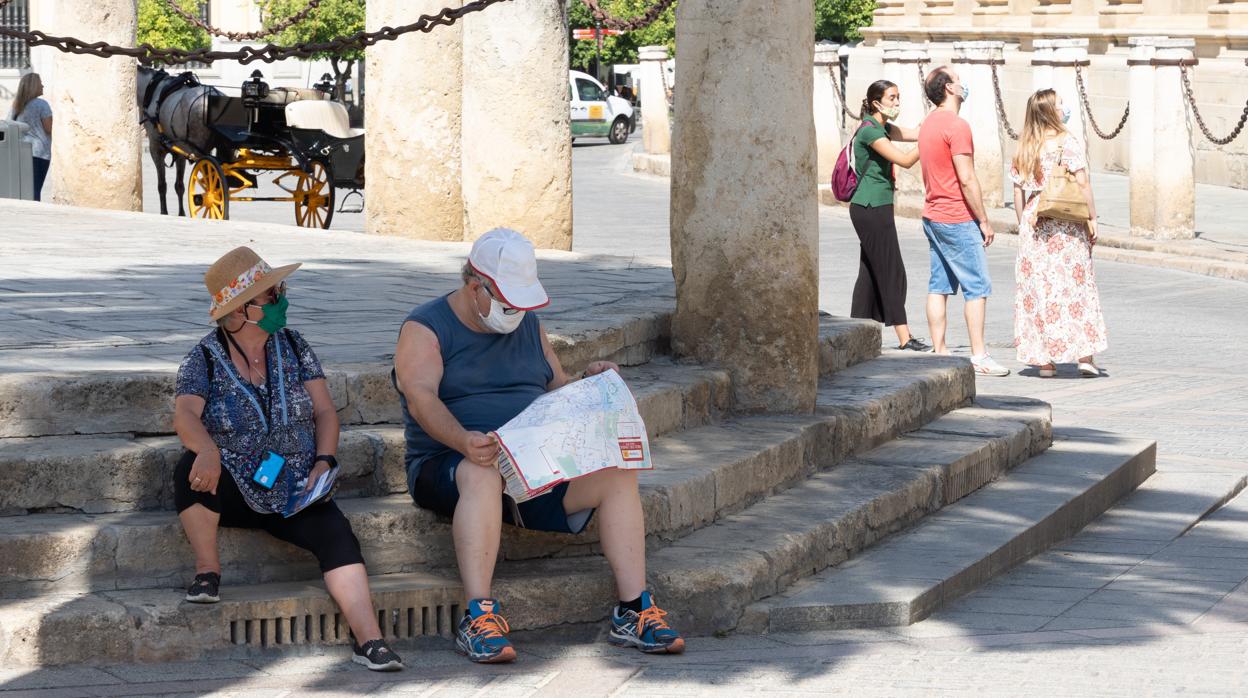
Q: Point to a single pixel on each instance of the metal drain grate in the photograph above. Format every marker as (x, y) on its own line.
(326, 628)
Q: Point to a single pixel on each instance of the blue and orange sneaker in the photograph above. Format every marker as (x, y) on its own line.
(647, 631)
(482, 634)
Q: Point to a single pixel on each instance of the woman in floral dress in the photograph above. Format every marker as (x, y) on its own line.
(1057, 310)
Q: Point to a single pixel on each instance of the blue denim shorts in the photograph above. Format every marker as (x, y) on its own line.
(958, 260)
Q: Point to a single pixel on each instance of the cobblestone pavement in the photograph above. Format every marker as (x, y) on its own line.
(1125, 608)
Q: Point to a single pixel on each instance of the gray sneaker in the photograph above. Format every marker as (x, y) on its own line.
(987, 366)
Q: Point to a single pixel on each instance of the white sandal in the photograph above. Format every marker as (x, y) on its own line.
(1089, 370)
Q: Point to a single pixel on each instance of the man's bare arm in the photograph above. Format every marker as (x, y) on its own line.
(964, 166)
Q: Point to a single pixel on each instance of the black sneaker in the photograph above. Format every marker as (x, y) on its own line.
(376, 655)
(205, 588)
(915, 344)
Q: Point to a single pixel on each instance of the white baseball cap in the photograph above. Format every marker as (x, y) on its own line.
(507, 259)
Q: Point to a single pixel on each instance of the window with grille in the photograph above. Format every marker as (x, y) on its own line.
(14, 54)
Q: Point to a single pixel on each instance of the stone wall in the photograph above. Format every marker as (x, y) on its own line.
(1220, 81)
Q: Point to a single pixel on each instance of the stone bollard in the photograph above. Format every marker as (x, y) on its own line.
(1174, 207)
(1065, 55)
(1141, 132)
(973, 60)
(827, 108)
(907, 65)
(97, 141)
(413, 125)
(657, 126)
(744, 214)
(517, 126)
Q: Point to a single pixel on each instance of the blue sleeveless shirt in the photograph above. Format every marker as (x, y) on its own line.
(487, 378)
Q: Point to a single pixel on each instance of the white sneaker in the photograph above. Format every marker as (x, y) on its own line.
(987, 366)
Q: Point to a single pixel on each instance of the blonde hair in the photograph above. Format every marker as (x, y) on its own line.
(1041, 118)
(25, 93)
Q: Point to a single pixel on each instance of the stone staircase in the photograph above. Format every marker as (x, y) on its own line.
(745, 513)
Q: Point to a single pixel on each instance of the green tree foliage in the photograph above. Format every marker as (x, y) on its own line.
(840, 20)
(332, 19)
(621, 48)
(162, 28)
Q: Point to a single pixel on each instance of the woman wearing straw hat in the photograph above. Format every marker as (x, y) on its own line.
(256, 417)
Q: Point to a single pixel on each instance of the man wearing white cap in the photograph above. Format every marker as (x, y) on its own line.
(466, 363)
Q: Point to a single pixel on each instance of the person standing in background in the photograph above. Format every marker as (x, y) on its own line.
(880, 292)
(954, 218)
(31, 109)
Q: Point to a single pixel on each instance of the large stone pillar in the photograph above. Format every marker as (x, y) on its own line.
(1141, 132)
(657, 126)
(827, 107)
(97, 141)
(1066, 55)
(744, 217)
(906, 65)
(1041, 65)
(517, 130)
(973, 61)
(413, 124)
(1174, 208)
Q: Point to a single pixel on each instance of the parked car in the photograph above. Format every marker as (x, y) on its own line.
(595, 113)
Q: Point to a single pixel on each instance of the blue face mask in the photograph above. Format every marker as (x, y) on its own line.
(966, 93)
(1065, 114)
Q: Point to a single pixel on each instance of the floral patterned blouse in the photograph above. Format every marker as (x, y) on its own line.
(247, 421)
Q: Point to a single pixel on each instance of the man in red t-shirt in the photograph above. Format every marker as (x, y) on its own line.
(954, 218)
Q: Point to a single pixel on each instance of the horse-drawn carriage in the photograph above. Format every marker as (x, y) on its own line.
(232, 141)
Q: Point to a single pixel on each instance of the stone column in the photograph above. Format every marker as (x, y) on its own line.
(97, 142)
(657, 130)
(1066, 54)
(1174, 208)
(413, 124)
(1141, 133)
(517, 130)
(1041, 65)
(827, 112)
(906, 65)
(1229, 14)
(973, 62)
(744, 217)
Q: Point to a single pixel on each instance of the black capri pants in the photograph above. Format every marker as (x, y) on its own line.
(880, 292)
(321, 529)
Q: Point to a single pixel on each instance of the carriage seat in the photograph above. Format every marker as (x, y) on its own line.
(325, 115)
(290, 95)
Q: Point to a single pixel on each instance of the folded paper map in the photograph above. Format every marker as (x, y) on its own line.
(583, 427)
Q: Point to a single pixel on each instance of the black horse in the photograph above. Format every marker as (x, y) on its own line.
(174, 111)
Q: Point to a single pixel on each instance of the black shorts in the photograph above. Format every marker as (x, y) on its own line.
(321, 529)
(437, 491)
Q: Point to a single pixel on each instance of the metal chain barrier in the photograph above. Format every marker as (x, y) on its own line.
(243, 36)
(923, 86)
(836, 86)
(269, 53)
(1087, 109)
(668, 91)
(1191, 100)
(645, 19)
(1005, 120)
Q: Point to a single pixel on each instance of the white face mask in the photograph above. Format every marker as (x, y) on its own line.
(499, 321)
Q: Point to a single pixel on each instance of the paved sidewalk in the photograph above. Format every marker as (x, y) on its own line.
(1125, 608)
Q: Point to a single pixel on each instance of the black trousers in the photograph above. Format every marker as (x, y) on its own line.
(321, 529)
(40, 171)
(880, 293)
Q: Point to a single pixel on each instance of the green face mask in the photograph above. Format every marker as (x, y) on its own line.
(274, 315)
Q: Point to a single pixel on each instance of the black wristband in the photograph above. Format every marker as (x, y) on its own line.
(333, 462)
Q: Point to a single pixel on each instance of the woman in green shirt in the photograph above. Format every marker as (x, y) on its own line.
(880, 293)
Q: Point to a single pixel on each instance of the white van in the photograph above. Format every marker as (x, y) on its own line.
(595, 113)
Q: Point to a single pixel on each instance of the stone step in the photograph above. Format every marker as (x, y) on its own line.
(112, 402)
(906, 578)
(107, 402)
(705, 580)
(62, 473)
(702, 474)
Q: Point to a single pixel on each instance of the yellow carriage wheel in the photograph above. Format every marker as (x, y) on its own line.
(207, 196)
(314, 196)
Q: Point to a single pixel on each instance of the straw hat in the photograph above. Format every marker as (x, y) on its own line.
(238, 277)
